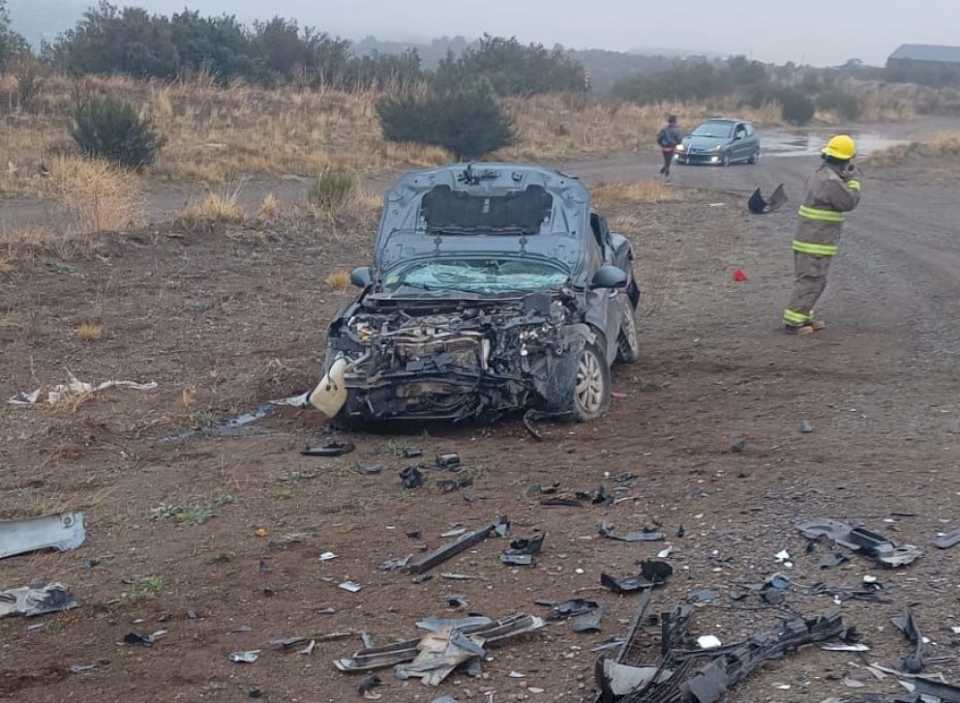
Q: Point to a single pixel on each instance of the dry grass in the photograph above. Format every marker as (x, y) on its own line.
(333, 189)
(607, 195)
(97, 196)
(338, 280)
(214, 208)
(89, 331)
(943, 145)
(269, 208)
(6, 263)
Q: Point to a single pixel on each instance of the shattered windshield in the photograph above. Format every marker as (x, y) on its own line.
(478, 275)
(716, 130)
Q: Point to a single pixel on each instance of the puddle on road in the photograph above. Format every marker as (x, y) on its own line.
(785, 143)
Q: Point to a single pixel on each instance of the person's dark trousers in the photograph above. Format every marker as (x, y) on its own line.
(667, 161)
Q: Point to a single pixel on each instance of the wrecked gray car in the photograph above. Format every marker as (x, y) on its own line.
(494, 288)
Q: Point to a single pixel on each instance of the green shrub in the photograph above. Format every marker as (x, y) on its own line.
(332, 189)
(110, 129)
(798, 109)
(844, 104)
(465, 119)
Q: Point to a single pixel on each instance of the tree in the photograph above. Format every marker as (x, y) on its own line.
(11, 43)
(466, 119)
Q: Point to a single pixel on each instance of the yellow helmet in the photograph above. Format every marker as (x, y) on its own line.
(841, 147)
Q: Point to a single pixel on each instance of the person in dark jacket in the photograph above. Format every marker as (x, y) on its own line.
(667, 139)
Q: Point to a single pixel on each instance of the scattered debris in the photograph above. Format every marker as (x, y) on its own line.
(455, 532)
(912, 663)
(568, 608)
(76, 388)
(411, 477)
(653, 574)
(947, 540)
(522, 551)
(680, 675)
(395, 564)
(455, 602)
(332, 448)
(739, 276)
(367, 684)
(308, 650)
(248, 657)
(645, 534)
(665, 552)
(368, 469)
(327, 556)
(703, 596)
(412, 453)
(448, 644)
(805, 427)
(31, 602)
(451, 549)
(782, 556)
(758, 205)
(858, 539)
(62, 532)
(588, 621)
(709, 642)
(82, 668)
(285, 643)
(448, 461)
(350, 586)
(738, 444)
(136, 638)
(832, 559)
(858, 647)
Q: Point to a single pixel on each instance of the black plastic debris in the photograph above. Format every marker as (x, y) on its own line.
(455, 602)
(411, 477)
(137, 638)
(414, 534)
(913, 663)
(948, 540)
(332, 448)
(588, 621)
(451, 549)
(863, 541)
(448, 461)
(701, 676)
(930, 688)
(645, 534)
(522, 551)
(832, 559)
(368, 469)
(449, 485)
(759, 205)
(568, 608)
(368, 683)
(598, 497)
(561, 502)
(652, 574)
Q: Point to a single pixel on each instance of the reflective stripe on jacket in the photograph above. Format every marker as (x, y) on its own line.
(829, 195)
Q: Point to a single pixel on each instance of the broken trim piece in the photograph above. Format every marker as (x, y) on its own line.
(62, 532)
(451, 549)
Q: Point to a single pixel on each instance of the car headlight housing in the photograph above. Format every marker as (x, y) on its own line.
(718, 148)
(681, 147)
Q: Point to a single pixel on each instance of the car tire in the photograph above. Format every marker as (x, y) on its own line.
(755, 158)
(725, 159)
(628, 341)
(591, 388)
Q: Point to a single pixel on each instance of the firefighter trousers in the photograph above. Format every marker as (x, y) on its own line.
(811, 279)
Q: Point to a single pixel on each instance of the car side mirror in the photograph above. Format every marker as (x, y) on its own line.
(361, 277)
(609, 277)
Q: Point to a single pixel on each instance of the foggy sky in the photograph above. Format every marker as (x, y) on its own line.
(819, 32)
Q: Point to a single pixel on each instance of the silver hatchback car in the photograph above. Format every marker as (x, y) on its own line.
(720, 141)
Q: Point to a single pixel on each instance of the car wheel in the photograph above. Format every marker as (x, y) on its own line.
(755, 158)
(591, 391)
(628, 343)
(725, 159)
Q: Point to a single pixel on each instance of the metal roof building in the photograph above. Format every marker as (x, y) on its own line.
(927, 53)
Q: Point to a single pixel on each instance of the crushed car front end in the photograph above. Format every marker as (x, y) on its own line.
(456, 360)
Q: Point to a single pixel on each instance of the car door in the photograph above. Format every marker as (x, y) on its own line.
(741, 150)
(752, 140)
(606, 307)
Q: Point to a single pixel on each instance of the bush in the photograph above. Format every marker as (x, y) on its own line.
(465, 119)
(798, 109)
(110, 129)
(332, 189)
(844, 104)
(30, 76)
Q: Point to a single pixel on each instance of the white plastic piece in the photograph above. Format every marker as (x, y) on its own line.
(330, 395)
(709, 642)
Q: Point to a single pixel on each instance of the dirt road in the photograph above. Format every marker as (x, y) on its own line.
(216, 539)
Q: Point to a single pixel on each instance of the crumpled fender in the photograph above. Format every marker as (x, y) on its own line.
(555, 374)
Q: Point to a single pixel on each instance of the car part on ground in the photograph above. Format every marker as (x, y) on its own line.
(447, 551)
(858, 539)
(448, 644)
(330, 449)
(758, 205)
(522, 551)
(30, 602)
(61, 532)
(685, 674)
(912, 663)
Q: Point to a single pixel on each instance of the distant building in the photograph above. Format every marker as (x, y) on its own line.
(925, 63)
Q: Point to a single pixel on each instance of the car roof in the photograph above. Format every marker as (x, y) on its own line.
(725, 119)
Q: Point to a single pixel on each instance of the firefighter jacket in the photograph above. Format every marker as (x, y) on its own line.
(830, 193)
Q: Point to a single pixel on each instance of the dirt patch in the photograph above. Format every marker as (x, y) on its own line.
(216, 538)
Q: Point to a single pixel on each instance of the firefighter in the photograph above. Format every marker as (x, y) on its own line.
(833, 190)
